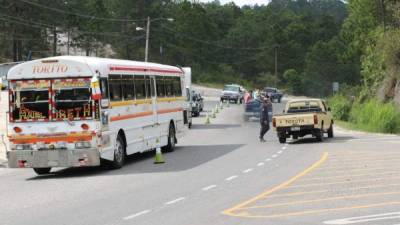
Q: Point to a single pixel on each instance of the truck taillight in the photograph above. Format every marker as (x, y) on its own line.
(315, 119)
(274, 122)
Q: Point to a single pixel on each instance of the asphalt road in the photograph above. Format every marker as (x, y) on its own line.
(221, 174)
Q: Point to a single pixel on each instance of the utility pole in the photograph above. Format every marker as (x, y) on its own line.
(54, 41)
(147, 29)
(146, 57)
(276, 60)
(383, 8)
(68, 41)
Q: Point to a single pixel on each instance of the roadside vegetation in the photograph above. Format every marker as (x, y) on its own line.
(371, 115)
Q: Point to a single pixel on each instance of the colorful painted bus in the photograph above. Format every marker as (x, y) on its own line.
(73, 111)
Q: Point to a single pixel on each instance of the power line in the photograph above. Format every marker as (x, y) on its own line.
(43, 25)
(79, 14)
(215, 44)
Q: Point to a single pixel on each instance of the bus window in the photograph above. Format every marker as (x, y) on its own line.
(104, 88)
(128, 87)
(169, 89)
(140, 87)
(160, 87)
(115, 88)
(177, 86)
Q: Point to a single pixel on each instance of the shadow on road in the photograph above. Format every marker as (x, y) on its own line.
(183, 158)
(214, 126)
(310, 140)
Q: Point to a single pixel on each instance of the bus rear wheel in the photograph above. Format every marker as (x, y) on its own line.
(42, 171)
(171, 139)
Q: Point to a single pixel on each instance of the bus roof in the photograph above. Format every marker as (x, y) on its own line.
(82, 66)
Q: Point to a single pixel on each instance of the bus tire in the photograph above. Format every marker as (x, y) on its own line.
(42, 171)
(170, 147)
(119, 153)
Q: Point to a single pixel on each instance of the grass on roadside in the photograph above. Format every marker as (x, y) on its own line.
(370, 116)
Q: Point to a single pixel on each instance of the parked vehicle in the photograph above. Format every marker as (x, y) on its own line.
(274, 94)
(187, 109)
(72, 111)
(303, 117)
(252, 110)
(232, 92)
(197, 104)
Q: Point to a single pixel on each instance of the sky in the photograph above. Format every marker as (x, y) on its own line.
(241, 2)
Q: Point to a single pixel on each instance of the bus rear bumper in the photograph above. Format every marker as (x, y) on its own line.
(53, 158)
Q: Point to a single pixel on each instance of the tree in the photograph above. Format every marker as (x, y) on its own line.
(294, 81)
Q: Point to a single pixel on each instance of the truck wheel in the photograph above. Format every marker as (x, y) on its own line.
(279, 100)
(171, 139)
(295, 137)
(282, 140)
(119, 154)
(319, 135)
(330, 132)
(42, 171)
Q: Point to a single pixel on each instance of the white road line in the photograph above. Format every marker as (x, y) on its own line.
(362, 219)
(175, 201)
(279, 152)
(260, 164)
(231, 178)
(136, 214)
(274, 156)
(248, 170)
(267, 160)
(209, 187)
(284, 147)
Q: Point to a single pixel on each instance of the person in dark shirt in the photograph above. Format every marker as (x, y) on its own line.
(264, 117)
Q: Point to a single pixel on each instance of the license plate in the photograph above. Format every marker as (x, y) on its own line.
(295, 128)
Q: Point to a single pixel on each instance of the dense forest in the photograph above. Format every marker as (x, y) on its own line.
(299, 45)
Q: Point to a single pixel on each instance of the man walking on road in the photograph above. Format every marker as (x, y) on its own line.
(264, 117)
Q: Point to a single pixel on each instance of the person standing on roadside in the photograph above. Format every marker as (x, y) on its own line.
(264, 117)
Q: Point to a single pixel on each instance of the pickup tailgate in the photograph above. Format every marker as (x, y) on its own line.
(289, 120)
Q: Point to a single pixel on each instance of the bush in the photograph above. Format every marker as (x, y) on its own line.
(375, 116)
(341, 107)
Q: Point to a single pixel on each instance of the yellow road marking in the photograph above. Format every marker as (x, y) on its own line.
(356, 169)
(341, 182)
(324, 191)
(230, 211)
(341, 162)
(347, 176)
(362, 156)
(299, 213)
(321, 200)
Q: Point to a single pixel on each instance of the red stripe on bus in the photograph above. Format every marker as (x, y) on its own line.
(142, 69)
